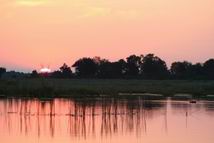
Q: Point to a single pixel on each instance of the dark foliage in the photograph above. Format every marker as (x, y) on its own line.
(66, 71)
(133, 65)
(152, 67)
(86, 67)
(2, 71)
(187, 70)
(14, 75)
(209, 69)
(34, 74)
(197, 71)
(108, 69)
(181, 70)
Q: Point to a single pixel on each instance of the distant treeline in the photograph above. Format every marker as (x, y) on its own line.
(137, 67)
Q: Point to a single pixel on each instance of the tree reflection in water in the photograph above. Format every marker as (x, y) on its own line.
(82, 118)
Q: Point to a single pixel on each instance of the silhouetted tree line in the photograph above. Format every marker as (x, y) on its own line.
(4, 74)
(138, 67)
(142, 67)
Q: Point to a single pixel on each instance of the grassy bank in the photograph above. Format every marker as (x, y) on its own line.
(84, 87)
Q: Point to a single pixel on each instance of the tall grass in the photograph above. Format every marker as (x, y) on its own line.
(84, 87)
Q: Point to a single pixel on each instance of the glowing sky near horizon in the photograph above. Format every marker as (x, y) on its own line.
(51, 32)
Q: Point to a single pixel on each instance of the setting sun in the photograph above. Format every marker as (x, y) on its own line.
(45, 70)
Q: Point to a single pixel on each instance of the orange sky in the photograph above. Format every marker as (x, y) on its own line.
(50, 32)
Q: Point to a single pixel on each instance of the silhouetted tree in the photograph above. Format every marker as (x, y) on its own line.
(104, 69)
(209, 68)
(181, 70)
(133, 65)
(111, 69)
(153, 67)
(120, 67)
(66, 71)
(196, 71)
(34, 74)
(86, 67)
(2, 71)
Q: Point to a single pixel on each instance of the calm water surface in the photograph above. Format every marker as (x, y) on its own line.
(106, 121)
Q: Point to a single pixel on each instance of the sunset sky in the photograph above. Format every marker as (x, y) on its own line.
(51, 32)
